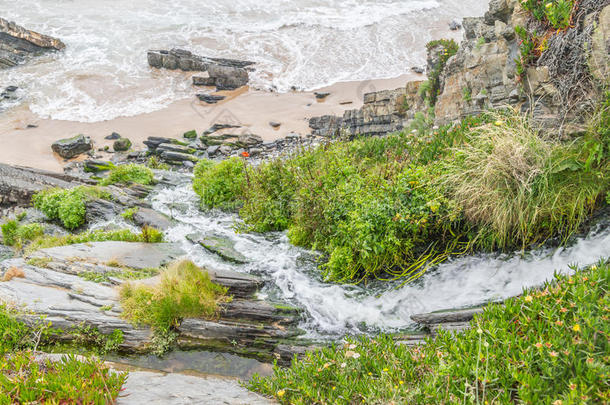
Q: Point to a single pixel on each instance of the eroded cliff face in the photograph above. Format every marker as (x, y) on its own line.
(18, 43)
(558, 91)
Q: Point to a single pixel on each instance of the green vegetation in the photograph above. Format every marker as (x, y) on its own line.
(67, 205)
(549, 346)
(389, 207)
(148, 235)
(128, 174)
(155, 163)
(556, 13)
(219, 184)
(184, 290)
(24, 378)
(16, 235)
(123, 273)
(449, 48)
(129, 213)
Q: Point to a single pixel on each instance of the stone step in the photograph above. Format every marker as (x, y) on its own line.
(447, 316)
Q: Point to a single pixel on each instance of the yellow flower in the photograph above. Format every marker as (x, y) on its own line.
(385, 369)
(334, 388)
(549, 5)
(529, 298)
(370, 373)
(499, 123)
(401, 382)
(576, 328)
(281, 393)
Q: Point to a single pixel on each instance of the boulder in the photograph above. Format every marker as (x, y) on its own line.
(121, 145)
(18, 44)
(599, 59)
(112, 137)
(177, 156)
(72, 147)
(150, 217)
(204, 81)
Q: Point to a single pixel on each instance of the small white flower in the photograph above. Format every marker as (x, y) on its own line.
(352, 346)
(343, 365)
(356, 355)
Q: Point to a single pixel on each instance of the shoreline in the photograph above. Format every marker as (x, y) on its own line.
(253, 110)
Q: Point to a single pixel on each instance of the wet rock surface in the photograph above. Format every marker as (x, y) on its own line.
(18, 44)
(225, 74)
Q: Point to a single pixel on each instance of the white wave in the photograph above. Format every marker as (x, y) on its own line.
(305, 43)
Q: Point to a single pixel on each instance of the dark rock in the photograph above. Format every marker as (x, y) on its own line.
(171, 147)
(326, 125)
(225, 74)
(274, 124)
(18, 44)
(101, 210)
(71, 147)
(455, 25)
(188, 164)
(260, 311)
(204, 81)
(150, 217)
(113, 136)
(225, 150)
(210, 99)
(321, 95)
(217, 127)
(177, 156)
(121, 145)
(418, 69)
(452, 316)
(192, 134)
(154, 141)
(249, 140)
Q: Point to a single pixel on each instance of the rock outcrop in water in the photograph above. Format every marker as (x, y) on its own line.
(17, 44)
(225, 74)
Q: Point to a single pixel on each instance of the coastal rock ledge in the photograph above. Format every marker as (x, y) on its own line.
(17, 44)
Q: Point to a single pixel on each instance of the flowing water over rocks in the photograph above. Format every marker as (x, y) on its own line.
(332, 311)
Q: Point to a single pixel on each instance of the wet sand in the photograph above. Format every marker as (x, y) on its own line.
(253, 110)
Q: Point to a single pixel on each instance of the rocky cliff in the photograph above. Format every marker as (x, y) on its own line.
(18, 43)
(557, 90)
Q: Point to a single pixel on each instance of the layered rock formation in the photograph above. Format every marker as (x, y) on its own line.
(17, 44)
(225, 74)
(557, 91)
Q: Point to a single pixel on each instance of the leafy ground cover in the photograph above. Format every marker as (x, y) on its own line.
(548, 346)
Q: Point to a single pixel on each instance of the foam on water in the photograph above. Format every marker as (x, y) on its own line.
(103, 72)
(335, 310)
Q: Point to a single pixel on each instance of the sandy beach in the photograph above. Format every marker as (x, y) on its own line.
(252, 110)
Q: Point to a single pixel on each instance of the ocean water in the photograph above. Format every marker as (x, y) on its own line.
(103, 73)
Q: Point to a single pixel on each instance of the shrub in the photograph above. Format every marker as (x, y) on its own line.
(185, 290)
(67, 205)
(9, 232)
(129, 173)
(556, 13)
(547, 346)
(220, 185)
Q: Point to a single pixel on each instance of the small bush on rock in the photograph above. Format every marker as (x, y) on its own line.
(185, 290)
(129, 173)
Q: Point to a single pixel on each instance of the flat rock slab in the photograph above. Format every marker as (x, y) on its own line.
(240, 285)
(222, 246)
(68, 301)
(144, 387)
(131, 254)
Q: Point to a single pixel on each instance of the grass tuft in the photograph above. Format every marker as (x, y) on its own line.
(184, 290)
(128, 174)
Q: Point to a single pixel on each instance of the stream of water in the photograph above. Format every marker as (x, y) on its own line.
(331, 310)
